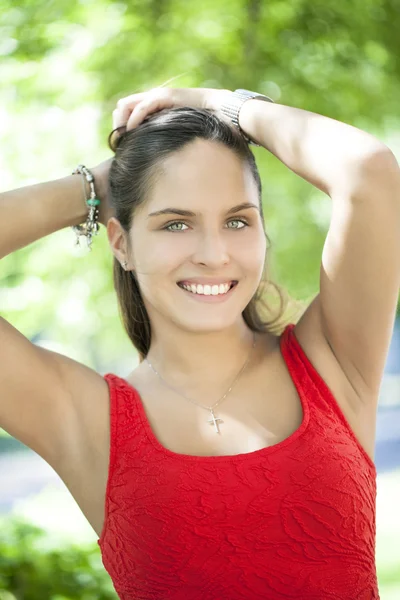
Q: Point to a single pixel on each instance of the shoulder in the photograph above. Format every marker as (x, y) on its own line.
(87, 431)
(310, 335)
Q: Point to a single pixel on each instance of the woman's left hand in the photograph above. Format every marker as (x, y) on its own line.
(132, 110)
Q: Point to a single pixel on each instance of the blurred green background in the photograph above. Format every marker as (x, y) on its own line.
(64, 65)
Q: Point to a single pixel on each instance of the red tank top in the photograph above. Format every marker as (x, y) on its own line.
(291, 521)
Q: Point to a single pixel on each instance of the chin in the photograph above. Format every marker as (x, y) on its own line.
(208, 324)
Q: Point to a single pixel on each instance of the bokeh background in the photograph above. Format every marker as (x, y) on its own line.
(63, 66)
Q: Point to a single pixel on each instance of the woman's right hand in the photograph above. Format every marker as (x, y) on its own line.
(101, 173)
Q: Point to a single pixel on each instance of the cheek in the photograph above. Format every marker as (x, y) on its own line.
(155, 269)
(251, 253)
(160, 262)
(156, 255)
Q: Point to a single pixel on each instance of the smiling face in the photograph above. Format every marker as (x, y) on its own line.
(210, 242)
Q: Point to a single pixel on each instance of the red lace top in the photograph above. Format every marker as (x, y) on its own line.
(291, 521)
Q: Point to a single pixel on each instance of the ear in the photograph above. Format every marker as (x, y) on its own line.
(118, 240)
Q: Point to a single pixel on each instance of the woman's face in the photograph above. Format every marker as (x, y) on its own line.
(214, 245)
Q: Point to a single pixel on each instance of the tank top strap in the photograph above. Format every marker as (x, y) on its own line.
(316, 395)
(305, 376)
(125, 420)
(126, 441)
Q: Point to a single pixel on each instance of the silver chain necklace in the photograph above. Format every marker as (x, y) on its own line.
(214, 420)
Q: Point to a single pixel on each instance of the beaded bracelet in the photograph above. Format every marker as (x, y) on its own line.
(91, 227)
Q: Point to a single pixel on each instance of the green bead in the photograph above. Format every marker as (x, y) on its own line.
(93, 201)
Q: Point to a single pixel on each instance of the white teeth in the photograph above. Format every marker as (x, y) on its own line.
(207, 290)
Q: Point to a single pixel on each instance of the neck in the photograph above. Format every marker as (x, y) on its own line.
(195, 361)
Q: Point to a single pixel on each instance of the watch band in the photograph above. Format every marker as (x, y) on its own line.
(231, 108)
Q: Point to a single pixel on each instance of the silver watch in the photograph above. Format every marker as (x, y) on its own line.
(231, 108)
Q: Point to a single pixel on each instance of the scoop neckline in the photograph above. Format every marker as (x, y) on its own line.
(255, 454)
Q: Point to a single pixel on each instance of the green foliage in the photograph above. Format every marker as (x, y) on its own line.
(65, 64)
(31, 570)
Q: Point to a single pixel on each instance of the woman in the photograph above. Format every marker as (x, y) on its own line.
(232, 462)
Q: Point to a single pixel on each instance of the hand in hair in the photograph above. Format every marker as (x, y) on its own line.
(133, 110)
(101, 172)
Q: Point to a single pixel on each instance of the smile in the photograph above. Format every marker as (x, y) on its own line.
(208, 293)
(208, 290)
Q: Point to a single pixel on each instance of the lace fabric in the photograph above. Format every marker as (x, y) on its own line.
(290, 521)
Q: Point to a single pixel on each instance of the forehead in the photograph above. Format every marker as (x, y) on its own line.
(203, 168)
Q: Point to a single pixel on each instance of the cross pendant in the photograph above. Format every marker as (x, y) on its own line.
(213, 421)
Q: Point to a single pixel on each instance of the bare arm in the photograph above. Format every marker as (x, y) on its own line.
(37, 406)
(360, 267)
(32, 212)
(329, 154)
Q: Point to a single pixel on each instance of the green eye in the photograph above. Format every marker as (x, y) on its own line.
(170, 225)
(175, 223)
(239, 221)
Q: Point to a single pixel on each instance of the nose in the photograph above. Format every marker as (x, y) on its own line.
(211, 250)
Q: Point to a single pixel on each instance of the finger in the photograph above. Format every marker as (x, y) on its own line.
(138, 115)
(118, 121)
(131, 98)
(125, 107)
(147, 107)
(129, 102)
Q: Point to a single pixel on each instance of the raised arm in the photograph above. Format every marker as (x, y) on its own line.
(360, 268)
(32, 212)
(36, 406)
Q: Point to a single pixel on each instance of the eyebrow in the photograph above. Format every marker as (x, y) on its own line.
(188, 213)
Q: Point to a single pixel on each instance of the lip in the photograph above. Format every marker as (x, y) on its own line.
(205, 281)
(210, 299)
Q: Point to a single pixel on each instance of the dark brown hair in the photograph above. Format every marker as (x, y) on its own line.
(134, 169)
